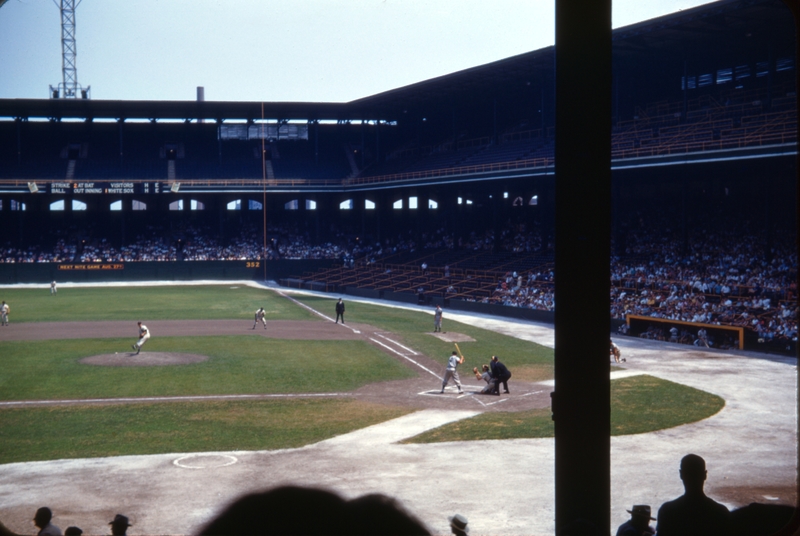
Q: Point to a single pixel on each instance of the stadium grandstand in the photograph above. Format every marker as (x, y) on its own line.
(456, 172)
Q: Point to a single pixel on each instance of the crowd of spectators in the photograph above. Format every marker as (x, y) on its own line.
(721, 273)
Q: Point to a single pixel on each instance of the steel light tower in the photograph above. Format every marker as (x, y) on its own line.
(69, 87)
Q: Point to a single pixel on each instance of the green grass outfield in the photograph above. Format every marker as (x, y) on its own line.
(115, 430)
(49, 370)
(202, 302)
(639, 404)
(33, 370)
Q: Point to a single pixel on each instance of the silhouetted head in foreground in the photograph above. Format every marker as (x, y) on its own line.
(43, 515)
(119, 525)
(292, 510)
(693, 473)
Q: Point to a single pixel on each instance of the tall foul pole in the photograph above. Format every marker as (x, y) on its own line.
(69, 87)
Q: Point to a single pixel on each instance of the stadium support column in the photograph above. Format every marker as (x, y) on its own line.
(583, 214)
(794, 6)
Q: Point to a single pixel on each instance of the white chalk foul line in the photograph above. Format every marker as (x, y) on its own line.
(181, 462)
(423, 367)
(397, 343)
(532, 393)
(164, 399)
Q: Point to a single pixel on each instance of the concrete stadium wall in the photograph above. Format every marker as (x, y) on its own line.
(13, 273)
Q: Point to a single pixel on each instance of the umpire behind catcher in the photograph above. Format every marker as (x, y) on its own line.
(501, 373)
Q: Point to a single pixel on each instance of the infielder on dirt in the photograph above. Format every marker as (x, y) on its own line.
(451, 372)
(144, 334)
(260, 314)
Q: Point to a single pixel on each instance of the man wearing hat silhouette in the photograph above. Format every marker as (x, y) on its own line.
(639, 523)
(120, 525)
(458, 525)
(693, 513)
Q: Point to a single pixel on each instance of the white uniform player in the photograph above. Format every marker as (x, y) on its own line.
(144, 334)
(260, 314)
(451, 372)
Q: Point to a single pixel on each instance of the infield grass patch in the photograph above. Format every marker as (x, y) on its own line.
(202, 302)
(527, 360)
(33, 434)
(639, 404)
(44, 370)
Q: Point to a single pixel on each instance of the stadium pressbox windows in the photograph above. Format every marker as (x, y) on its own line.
(291, 205)
(194, 204)
(235, 205)
(369, 205)
(176, 205)
(346, 205)
(56, 206)
(254, 205)
(397, 205)
(116, 206)
(78, 205)
(412, 202)
(311, 204)
(139, 205)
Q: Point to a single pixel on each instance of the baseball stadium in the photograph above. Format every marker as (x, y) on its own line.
(170, 272)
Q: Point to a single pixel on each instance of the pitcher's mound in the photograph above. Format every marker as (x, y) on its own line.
(143, 359)
(450, 336)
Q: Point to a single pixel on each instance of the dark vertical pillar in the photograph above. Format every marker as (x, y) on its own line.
(770, 70)
(684, 216)
(583, 214)
(494, 122)
(794, 6)
(18, 123)
(685, 109)
(121, 122)
(316, 140)
(377, 141)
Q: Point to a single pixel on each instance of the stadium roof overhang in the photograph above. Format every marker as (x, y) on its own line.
(726, 30)
(179, 110)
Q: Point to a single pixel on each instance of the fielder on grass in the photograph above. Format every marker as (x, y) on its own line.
(437, 319)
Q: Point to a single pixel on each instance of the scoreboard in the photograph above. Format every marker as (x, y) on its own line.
(111, 187)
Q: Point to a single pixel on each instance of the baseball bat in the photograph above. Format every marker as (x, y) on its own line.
(459, 351)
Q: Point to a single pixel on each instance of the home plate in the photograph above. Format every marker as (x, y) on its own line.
(450, 336)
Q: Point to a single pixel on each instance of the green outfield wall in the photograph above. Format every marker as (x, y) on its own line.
(44, 272)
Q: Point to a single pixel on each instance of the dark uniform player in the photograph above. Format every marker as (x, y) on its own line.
(340, 311)
(501, 373)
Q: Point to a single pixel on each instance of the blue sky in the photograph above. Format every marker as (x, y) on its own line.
(273, 50)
